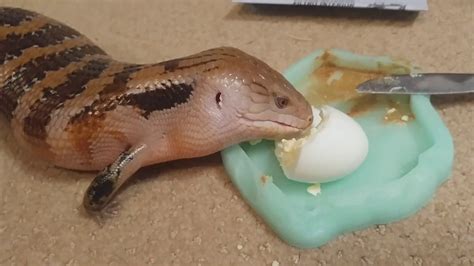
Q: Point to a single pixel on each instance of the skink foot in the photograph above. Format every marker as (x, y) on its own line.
(104, 187)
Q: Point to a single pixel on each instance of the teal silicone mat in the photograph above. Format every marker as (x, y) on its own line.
(405, 165)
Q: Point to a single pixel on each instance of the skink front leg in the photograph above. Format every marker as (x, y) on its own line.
(108, 182)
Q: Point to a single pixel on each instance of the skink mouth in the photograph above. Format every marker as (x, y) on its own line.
(293, 127)
(287, 125)
(300, 127)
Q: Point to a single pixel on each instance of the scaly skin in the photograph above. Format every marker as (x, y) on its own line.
(75, 106)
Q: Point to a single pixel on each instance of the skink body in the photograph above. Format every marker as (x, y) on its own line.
(72, 104)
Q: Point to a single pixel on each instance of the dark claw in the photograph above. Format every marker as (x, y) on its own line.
(101, 190)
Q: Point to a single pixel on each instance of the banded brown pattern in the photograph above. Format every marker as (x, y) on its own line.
(10, 17)
(13, 45)
(105, 101)
(31, 46)
(53, 98)
(165, 96)
(168, 95)
(23, 78)
(24, 27)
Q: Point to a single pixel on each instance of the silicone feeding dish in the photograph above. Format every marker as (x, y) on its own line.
(410, 155)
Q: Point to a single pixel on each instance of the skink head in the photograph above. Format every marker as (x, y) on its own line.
(262, 99)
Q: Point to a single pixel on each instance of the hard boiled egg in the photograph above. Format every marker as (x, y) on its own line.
(335, 146)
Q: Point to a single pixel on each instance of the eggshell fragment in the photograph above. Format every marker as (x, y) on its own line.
(314, 189)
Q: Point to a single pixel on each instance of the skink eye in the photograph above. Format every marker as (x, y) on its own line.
(281, 101)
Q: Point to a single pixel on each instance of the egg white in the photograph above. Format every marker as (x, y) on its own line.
(334, 147)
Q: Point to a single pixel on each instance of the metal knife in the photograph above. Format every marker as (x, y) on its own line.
(424, 83)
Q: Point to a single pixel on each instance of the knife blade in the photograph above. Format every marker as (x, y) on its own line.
(425, 83)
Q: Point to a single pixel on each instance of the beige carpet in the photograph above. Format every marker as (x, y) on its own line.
(188, 213)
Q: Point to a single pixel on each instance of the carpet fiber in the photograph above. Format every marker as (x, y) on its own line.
(188, 212)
